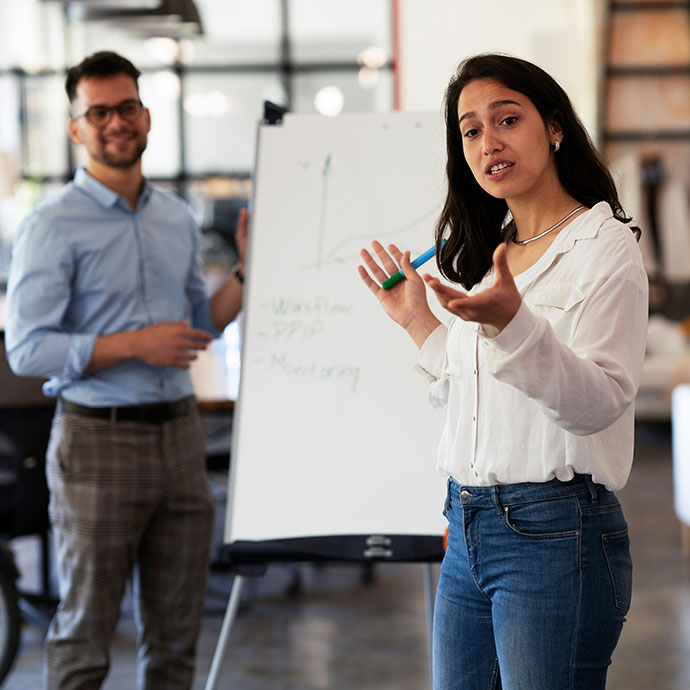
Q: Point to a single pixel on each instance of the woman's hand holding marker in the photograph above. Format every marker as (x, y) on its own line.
(406, 304)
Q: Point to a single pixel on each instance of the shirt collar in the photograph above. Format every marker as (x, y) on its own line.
(103, 195)
(585, 227)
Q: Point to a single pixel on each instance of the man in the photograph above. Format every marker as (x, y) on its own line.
(106, 297)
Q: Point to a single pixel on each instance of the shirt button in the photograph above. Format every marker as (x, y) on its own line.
(464, 495)
(474, 372)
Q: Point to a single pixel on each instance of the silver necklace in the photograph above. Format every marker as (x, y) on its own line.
(546, 232)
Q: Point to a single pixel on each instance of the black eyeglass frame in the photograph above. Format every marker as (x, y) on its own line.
(111, 109)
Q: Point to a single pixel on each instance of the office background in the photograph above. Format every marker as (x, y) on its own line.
(626, 66)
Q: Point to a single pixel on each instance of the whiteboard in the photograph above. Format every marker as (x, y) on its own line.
(333, 431)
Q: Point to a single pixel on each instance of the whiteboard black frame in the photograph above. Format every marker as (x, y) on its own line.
(421, 547)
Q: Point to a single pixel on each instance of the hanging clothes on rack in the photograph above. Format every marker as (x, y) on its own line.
(659, 203)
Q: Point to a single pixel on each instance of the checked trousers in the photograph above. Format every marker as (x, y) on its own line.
(128, 500)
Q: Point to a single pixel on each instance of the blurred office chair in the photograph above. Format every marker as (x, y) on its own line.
(25, 419)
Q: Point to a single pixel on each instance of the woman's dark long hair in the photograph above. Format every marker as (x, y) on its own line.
(471, 220)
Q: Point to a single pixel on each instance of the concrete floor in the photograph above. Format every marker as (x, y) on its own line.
(344, 634)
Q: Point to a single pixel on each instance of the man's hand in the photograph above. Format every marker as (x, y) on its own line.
(165, 344)
(242, 237)
(170, 344)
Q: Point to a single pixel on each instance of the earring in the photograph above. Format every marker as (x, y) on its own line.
(556, 146)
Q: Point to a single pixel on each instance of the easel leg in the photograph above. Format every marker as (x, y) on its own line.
(224, 638)
(429, 596)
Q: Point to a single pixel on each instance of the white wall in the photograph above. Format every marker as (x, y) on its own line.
(31, 34)
(558, 35)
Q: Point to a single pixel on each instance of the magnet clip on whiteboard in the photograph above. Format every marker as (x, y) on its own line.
(273, 113)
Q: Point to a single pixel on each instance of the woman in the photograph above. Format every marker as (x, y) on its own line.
(538, 372)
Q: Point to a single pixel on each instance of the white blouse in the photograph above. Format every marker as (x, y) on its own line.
(553, 393)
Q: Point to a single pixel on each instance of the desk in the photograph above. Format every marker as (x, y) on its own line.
(216, 372)
(216, 375)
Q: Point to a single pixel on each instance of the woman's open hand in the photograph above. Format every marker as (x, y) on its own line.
(405, 302)
(494, 306)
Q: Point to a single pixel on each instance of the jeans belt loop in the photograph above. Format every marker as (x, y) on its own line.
(113, 415)
(495, 490)
(592, 488)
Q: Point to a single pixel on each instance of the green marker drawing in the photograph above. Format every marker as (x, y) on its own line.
(324, 206)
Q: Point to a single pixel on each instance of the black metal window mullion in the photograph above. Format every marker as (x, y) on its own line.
(286, 67)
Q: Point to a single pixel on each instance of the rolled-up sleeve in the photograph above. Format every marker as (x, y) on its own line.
(432, 363)
(196, 290)
(38, 296)
(432, 354)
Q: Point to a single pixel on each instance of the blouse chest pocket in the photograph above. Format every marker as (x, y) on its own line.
(557, 303)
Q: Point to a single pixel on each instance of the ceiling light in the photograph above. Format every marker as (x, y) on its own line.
(119, 4)
(164, 49)
(373, 57)
(174, 18)
(329, 100)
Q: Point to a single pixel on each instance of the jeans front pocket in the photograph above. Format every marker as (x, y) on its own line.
(556, 518)
(616, 546)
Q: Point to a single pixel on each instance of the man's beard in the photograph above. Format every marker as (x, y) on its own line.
(116, 162)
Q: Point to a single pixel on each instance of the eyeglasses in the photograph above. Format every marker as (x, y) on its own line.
(101, 115)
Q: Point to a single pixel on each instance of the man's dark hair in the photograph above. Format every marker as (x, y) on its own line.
(102, 64)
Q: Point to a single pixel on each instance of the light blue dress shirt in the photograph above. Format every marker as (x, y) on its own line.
(83, 265)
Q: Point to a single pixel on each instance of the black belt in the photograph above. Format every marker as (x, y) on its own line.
(155, 413)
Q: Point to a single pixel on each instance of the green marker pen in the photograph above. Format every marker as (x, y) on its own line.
(421, 259)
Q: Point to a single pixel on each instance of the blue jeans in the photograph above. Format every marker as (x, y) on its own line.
(534, 587)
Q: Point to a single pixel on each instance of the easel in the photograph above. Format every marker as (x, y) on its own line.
(250, 559)
(316, 179)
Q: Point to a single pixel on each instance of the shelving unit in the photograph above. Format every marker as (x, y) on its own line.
(645, 80)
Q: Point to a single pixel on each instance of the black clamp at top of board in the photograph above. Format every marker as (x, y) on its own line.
(273, 113)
